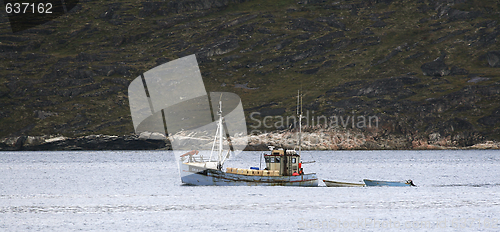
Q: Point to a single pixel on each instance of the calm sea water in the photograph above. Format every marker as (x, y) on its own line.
(141, 191)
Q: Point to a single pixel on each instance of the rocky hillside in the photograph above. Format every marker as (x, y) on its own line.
(425, 72)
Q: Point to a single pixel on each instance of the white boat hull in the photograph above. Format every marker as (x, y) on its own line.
(196, 175)
(330, 183)
(388, 183)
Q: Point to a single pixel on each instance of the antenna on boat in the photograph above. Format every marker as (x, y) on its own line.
(228, 137)
(300, 101)
(299, 113)
(221, 136)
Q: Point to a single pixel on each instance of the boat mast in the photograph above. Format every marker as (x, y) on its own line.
(219, 136)
(220, 129)
(299, 113)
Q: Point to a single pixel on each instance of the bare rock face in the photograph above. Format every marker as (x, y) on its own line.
(458, 71)
(162, 8)
(306, 25)
(379, 23)
(219, 47)
(435, 68)
(492, 119)
(493, 58)
(332, 22)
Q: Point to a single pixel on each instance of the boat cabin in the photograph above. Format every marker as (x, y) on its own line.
(287, 162)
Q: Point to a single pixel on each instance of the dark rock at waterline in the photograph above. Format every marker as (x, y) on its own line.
(92, 142)
(257, 147)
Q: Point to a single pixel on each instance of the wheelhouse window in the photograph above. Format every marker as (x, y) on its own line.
(272, 159)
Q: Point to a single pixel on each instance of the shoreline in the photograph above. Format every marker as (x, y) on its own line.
(311, 141)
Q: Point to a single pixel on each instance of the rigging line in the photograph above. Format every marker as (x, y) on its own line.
(213, 145)
(231, 148)
(211, 107)
(226, 131)
(227, 135)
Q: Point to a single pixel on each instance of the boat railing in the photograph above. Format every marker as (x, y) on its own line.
(196, 159)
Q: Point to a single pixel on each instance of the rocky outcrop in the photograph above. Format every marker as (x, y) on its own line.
(332, 22)
(313, 138)
(491, 119)
(306, 25)
(435, 68)
(366, 31)
(219, 47)
(486, 145)
(394, 87)
(493, 58)
(458, 71)
(450, 35)
(379, 23)
(394, 52)
(161, 8)
(374, 139)
(445, 10)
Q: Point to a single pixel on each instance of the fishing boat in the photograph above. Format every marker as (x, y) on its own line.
(330, 183)
(388, 183)
(283, 166)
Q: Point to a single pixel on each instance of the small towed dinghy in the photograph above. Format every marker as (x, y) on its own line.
(330, 183)
(388, 183)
